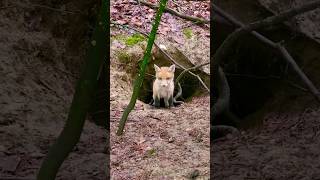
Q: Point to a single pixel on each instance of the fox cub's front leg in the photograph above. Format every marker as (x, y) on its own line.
(166, 102)
(156, 102)
(171, 101)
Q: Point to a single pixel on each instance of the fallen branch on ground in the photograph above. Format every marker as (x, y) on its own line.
(173, 12)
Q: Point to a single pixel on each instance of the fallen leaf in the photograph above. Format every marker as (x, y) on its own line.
(122, 22)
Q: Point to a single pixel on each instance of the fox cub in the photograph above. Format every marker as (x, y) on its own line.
(163, 86)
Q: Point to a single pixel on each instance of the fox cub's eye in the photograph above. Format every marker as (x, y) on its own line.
(168, 78)
(160, 78)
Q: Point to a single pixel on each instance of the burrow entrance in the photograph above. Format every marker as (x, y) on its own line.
(190, 86)
(255, 74)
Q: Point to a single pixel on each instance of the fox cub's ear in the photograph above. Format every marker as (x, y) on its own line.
(172, 68)
(156, 67)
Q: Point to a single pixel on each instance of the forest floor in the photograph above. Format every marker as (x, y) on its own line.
(35, 95)
(158, 143)
(285, 147)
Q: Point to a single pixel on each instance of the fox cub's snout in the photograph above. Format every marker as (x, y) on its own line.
(163, 86)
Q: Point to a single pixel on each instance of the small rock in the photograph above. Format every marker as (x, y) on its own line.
(37, 155)
(171, 139)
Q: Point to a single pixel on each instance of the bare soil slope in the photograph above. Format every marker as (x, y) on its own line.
(35, 95)
(285, 147)
(158, 143)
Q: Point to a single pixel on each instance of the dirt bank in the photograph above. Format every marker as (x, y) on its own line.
(35, 95)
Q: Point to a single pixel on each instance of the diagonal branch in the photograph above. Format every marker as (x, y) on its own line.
(283, 16)
(297, 69)
(173, 12)
(226, 45)
(190, 69)
(234, 21)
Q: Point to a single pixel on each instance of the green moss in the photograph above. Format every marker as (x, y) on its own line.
(187, 32)
(134, 39)
(129, 40)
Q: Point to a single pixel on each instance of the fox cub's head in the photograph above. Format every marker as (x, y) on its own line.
(164, 75)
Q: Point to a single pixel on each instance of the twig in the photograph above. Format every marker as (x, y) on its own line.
(297, 69)
(175, 62)
(173, 12)
(190, 69)
(178, 6)
(234, 21)
(283, 16)
(166, 54)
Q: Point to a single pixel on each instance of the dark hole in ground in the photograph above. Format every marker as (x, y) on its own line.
(190, 87)
(253, 72)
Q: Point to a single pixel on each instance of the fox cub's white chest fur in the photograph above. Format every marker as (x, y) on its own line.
(163, 86)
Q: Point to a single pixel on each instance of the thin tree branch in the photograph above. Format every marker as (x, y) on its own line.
(234, 21)
(190, 69)
(173, 12)
(301, 74)
(283, 16)
(223, 49)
